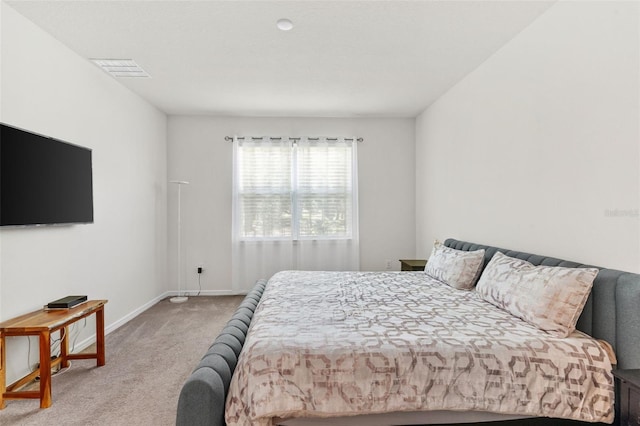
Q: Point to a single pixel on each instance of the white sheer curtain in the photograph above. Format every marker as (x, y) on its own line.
(295, 206)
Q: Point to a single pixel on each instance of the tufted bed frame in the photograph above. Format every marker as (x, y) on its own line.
(612, 313)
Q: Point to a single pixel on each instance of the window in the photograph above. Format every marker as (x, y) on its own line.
(295, 188)
(295, 206)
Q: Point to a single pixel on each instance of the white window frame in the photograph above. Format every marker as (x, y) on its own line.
(295, 192)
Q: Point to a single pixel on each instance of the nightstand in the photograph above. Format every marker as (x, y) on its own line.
(412, 264)
(628, 386)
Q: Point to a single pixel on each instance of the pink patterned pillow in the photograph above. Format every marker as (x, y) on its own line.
(456, 268)
(548, 297)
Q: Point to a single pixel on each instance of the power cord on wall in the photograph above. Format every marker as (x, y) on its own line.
(200, 269)
(29, 367)
(55, 343)
(55, 346)
(73, 343)
(58, 372)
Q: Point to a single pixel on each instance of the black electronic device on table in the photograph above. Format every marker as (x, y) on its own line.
(66, 302)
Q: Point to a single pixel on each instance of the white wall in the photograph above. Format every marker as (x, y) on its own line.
(538, 149)
(199, 154)
(121, 257)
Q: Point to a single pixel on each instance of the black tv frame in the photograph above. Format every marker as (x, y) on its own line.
(43, 180)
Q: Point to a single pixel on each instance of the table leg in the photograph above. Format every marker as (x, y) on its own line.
(64, 347)
(100, 337)
(3, 370)
(45, 369)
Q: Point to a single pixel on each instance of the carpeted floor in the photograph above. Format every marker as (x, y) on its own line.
(148, 360)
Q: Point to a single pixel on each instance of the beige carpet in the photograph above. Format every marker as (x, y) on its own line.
(148, 360)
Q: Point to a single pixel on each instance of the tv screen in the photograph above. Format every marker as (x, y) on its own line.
(43, 180)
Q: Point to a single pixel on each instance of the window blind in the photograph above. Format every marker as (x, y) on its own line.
(295, 189)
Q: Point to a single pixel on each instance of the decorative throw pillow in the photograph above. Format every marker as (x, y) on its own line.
(548, 297)
(456, 268)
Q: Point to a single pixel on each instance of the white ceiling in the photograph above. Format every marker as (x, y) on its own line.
(341, 59)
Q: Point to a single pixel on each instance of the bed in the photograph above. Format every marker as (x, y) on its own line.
(404, 348)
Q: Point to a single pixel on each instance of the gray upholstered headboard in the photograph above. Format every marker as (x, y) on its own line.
(612, 312)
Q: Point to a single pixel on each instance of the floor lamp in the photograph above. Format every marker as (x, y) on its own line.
(178, 298)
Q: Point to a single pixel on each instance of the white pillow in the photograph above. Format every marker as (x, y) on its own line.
(548, 297)
(456, 268)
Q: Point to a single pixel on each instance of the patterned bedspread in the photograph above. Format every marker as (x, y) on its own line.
(325, 344)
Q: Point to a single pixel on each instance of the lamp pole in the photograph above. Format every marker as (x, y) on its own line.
(179, 298)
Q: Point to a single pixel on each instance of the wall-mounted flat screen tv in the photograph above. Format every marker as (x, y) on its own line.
(43, 180)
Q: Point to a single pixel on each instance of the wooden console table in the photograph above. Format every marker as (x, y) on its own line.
(42, 323)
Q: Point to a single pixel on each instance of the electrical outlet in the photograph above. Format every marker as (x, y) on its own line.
(200, 269)
(389, 264)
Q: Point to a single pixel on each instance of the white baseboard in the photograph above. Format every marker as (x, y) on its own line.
(122, 321)
(119, 323)
(193, 293)
(80, 346)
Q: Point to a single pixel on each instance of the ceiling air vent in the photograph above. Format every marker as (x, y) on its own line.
(121, 67)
